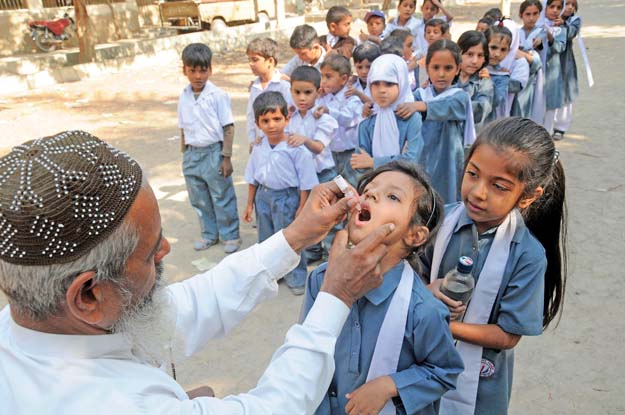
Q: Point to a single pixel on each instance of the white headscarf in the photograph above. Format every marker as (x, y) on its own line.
(388, 68)
(508, 61)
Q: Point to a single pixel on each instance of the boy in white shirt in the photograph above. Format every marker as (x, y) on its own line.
(308, 50)
(207, 133)
(279, 176)
(315, 134)
(335, 72)
(262, 55)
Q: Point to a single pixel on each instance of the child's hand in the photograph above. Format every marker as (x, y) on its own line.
(558, 21)
(412, 63)
(226, 167)
(537, 42)
(349, 91)
(292, 110)
(296, 140)
(362, 160)
(371, 397)
(367, 109)
(320, 110)
(484, 74)
(247, 216)
(352, 80)
(456, 308)
(436, 3)
(406, 109)
(363, 36)
(421, 62)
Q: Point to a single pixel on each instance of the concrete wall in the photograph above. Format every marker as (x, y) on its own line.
(15, 34)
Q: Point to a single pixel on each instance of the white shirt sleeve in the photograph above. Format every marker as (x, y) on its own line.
(326, 128)
(291, 65)
(295, 381)
(209, 305)
(224, 109)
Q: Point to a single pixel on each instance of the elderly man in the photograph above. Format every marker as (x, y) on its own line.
(90, 326)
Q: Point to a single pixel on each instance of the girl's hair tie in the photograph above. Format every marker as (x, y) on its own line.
(556, 156)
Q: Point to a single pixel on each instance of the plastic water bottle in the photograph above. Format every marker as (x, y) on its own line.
(458, 283)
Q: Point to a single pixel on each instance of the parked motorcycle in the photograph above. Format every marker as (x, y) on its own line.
(48, 34)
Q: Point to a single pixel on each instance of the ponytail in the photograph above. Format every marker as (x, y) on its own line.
(537, 165)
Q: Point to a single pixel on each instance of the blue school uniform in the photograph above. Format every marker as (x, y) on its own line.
(482, 93)
(428, 362)
(443, 144)
(518, 308)
(500, 83)
(523, 103)
(279, 174)
(569, 67)
(409, 136)
(554, 84)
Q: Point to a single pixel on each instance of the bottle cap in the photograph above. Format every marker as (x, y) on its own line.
(465, 264)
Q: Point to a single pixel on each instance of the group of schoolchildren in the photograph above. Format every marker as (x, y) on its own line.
(402, 131)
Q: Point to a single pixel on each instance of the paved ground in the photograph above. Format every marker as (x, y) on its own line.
(574, 369)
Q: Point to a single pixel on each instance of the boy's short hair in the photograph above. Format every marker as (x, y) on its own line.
(438, 23)
(307, 74)
(366, 51)
(401, 34)
(265, 47)
(343, 42)
(336, 14)
(337, 63)
(392, 45)
(197, 54)
(303, 37)
(269, 101)
(487, 21)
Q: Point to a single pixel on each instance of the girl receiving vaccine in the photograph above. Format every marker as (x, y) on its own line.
(511, 222)
(395, 353)
(448, 119)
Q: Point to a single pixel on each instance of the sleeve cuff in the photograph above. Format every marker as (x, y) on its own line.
(276, 255)
(328, 313)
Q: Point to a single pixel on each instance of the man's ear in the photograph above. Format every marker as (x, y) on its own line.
(417, 236)
(85, 298)
(524, 202)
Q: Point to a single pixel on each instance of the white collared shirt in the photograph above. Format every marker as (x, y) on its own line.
(203, 119)
(281, 167)
(322, 130)
(296, 62)
(348, 113)
(43, 373)
(276, 83)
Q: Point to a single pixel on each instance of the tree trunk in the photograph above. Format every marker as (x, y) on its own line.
(84, 32)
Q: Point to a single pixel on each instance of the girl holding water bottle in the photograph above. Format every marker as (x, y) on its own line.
(511, 222)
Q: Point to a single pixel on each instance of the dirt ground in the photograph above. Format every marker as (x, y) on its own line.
(574, 369)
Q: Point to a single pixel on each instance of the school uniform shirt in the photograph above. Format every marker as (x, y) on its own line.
(44, 373)
(569, 67)
(443, 143)
(523, 104)
(501, 82)
(410, 139)
(203, 119)
(554, 84)
(519, 77)
(518, 307)
(411, 25)
(281, 167)
(428, 362)
(322, 130)
(347, 112)
(296, 62)
(276, 83)
(482, 93)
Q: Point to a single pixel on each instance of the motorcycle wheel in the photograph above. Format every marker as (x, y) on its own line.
(42, 42)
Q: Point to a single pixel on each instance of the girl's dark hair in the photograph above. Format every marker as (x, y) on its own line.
(528, 3)
(444, 44)
(428, 205)
(473, 38)
(502, 31)
(393, 46)
(366, 51)
(494, 13)
(551, 1)
(536, 164)
(401, 34)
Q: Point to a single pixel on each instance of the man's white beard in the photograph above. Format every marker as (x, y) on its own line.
(149, 325)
